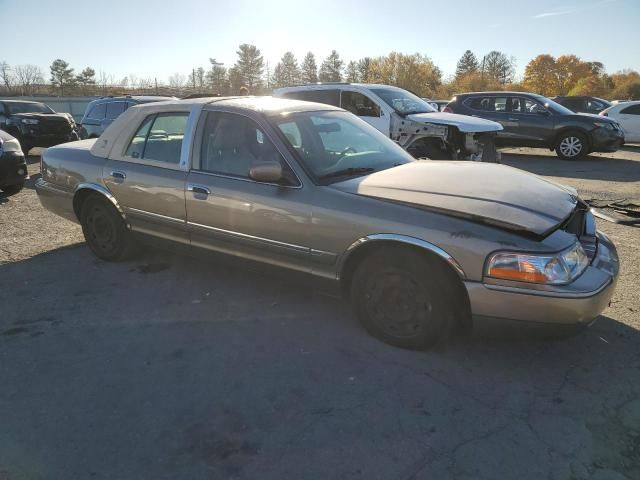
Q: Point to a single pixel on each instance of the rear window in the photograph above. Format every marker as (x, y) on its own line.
(329, 97)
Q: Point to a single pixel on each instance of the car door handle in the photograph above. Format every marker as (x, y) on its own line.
(511, 119)
(201, 189)
(118, 175)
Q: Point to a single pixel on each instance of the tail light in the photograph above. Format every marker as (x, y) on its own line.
(447, 109)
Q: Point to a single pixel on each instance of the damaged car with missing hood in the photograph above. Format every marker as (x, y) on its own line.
(422, 248)
(407, 119)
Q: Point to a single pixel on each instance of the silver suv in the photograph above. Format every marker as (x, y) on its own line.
(101, 112)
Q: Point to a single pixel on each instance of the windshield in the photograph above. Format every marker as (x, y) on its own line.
(402, 101)
(335, 145)
(554, 106)
(28, 108)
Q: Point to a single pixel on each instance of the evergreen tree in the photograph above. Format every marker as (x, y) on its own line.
(249, 66)
(331, 68)
(61, 75)
(309, 69)
(467, 64)
(352, 74)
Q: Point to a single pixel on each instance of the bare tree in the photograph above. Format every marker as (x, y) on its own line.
(28, 77)
(6, 76)
(177, 80)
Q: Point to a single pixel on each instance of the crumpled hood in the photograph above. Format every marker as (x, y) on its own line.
(465, 123)
(484, 192)
(40, 116)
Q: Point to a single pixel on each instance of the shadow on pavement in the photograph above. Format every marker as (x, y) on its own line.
(593, 167)
(173, 367)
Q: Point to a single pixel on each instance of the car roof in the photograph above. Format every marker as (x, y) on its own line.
(262, 104)
(498, 92)
(22, 101)
(139, 98)
(330, 85)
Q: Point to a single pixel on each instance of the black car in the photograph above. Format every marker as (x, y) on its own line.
(582, 104)
(36, 124)
(531, 120)
(13, 168)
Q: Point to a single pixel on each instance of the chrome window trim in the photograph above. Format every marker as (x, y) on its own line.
(264, 126)
(393, 237)
(242, 179)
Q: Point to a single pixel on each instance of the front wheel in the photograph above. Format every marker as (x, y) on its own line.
(12, 189)
(403, 298)
(105, 231)
(572, 146)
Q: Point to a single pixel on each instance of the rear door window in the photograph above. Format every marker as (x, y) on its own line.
(159, 138)
(488, 104)
(114, 109)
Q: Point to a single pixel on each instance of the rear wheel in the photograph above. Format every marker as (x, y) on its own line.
(572, 146)
(403, 298)
(105, 231)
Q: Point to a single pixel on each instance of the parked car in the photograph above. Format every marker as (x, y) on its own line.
(531, 120)
(36, 124)
(627, 114)
(583, 104)
(419, 246)
(437, 104)
(414, 124)
(101, 112)
(13, 168)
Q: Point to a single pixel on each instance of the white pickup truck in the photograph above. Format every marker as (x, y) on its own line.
(406, 118)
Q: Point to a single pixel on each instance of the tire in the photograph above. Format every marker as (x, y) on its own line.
(12, 189)
(403, 298)
(105, 231)
(430, 150)
(572, 146)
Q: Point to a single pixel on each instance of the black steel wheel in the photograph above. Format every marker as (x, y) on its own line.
(402, 298)
(104, 230)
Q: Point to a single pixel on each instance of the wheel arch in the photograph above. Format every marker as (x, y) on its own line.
(84, 190)
(568, 129)
(368, 245)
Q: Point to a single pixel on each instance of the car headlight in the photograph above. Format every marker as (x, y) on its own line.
(606, 125)
(549, 269)
(11, 145)
(30, 121)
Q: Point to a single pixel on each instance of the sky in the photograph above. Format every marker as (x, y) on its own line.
(155, 39)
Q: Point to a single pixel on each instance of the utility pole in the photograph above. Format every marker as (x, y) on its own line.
(156, 80)
(193, 77)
